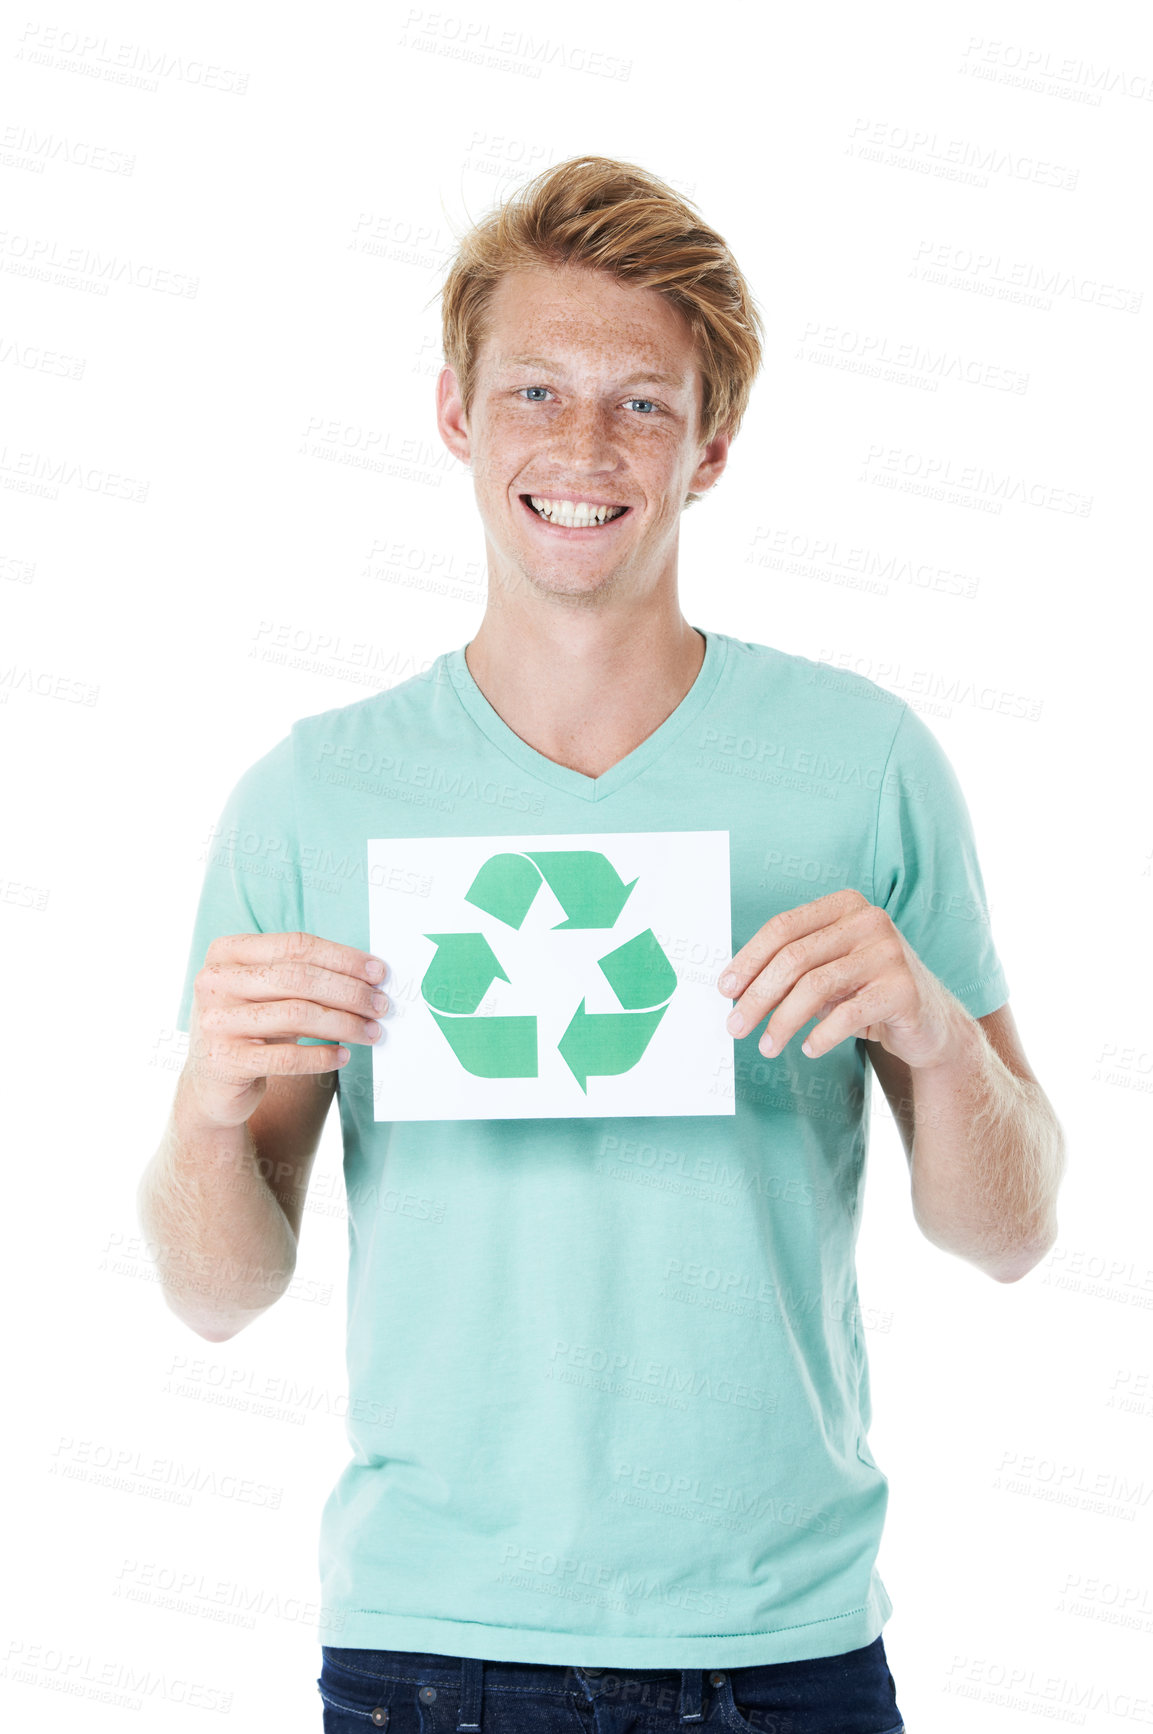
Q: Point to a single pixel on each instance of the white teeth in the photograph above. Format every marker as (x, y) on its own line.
(576, 516)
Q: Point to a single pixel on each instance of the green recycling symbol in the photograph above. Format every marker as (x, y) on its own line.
(592, 894)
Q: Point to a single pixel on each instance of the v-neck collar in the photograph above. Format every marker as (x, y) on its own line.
(563, 777)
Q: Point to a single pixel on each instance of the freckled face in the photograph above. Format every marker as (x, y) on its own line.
(587, 390)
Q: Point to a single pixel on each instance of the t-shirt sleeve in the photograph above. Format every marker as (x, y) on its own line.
(252, 881)
(926, 873)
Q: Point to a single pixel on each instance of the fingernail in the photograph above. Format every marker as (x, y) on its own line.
(728, 982)
(374, 968)
(735, 1023)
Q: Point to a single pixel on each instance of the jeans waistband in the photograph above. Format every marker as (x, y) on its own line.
(472, 1673)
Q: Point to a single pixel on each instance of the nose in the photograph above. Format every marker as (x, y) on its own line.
(583, 438)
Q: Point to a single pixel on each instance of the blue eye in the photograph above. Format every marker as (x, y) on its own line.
(648, 400)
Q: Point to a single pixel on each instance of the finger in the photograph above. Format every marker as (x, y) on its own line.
(263, 948)
(852, 1017)
(283, 1020)
(782, 973)
(293, 979)
(239, 1063)
(782, 929)
(833, 984)
(290, 1061)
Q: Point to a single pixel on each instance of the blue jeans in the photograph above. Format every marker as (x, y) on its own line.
(408, 1692)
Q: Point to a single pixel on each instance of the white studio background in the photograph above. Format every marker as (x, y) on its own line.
(226, 505)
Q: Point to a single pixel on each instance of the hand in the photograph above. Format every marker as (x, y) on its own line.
(842, 956)
(256, 993)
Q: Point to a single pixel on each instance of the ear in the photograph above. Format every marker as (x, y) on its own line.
(711, 467)
(450, 416)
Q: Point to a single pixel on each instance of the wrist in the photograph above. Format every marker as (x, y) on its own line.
(193, 1122)
(961, 1043)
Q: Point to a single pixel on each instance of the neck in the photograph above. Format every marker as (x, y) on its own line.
(585, 690)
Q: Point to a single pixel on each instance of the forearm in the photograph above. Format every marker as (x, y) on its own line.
(988, 1156)
(224, 1248)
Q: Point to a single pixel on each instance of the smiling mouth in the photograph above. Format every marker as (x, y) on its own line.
(567, 515)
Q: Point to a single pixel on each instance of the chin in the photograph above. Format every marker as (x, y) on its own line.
(561, 580)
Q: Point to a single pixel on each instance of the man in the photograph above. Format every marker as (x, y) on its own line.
(609, 1394)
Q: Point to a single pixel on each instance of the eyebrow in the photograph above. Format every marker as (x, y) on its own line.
(644, 377)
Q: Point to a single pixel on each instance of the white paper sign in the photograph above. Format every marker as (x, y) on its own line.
(552, 976)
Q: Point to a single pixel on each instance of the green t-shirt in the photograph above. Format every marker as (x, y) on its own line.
(608, 1386)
